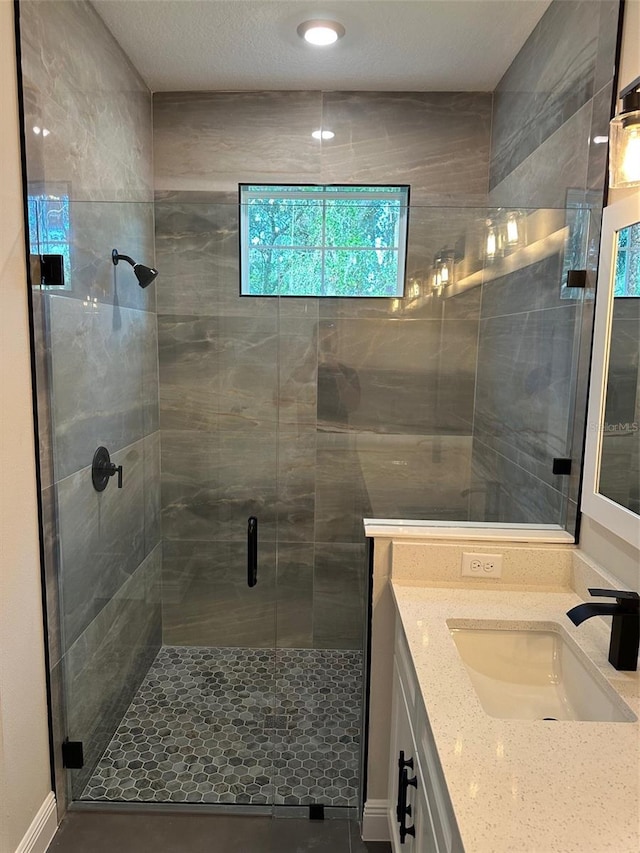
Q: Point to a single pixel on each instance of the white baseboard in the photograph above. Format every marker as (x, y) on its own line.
(43, 827)
(375, 822)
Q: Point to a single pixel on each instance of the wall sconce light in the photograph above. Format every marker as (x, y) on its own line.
(514, 230)
(444, 269)
(506, 232)
(414, 289)
(624, 151)
(492, 243)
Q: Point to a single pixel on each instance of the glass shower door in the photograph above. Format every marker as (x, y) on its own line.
(195, 724)
(321, 568)
(218, 356)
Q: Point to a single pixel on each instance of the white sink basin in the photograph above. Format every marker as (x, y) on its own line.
(535, 674)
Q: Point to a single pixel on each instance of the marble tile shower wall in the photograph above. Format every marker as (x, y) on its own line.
(247, 423)
(533, 360)
(96, 370)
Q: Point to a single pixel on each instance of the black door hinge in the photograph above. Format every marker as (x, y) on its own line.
(576, 278)
(72, 754)
(561, 466)
(52, 270)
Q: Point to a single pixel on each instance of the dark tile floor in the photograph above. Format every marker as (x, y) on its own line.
(119, 832)
(239, 726)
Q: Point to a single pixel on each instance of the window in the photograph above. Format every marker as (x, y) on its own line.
(322, 240)
(49, 229)
(627, 278)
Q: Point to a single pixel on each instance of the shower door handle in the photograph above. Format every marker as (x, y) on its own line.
(252, 551)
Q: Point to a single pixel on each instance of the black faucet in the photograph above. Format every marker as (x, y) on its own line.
(625, 630)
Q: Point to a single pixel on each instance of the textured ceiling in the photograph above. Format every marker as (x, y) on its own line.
(390, 45)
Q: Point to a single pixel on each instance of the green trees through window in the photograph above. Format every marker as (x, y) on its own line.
(627, 278)
(49, 229)
(323, 240)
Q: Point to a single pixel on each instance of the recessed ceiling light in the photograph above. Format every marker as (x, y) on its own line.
(36, 130)
(321, 33)
(600, 140)
(323, 134)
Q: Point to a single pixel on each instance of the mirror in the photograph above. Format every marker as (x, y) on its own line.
(619, 477)
(611, 493)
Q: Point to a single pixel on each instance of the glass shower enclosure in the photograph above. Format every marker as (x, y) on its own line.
(184, 681)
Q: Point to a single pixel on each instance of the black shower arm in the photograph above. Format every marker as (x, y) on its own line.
(116, 256)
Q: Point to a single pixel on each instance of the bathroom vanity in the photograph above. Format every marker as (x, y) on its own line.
(492, 784)
(421, 816)
(469, 770)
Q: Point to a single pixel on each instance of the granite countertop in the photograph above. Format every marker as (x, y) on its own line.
(520, 785)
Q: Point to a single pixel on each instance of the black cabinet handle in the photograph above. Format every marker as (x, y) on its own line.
(404, 808)
(402, 763)
(252, 551)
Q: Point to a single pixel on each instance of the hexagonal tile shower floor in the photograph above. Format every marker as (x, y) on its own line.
(207, 726)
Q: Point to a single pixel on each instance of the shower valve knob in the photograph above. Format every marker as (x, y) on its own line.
(103, 469)
(116, 469)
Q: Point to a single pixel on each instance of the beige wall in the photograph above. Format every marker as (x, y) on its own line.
(24, 752)
(621, 559)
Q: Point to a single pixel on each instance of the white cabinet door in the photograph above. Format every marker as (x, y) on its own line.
(411, 796)
(401, 742)
(425, 837)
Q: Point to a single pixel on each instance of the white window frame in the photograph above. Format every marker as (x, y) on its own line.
(618, 519)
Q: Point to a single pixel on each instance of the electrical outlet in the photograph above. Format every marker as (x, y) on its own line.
(481, 565)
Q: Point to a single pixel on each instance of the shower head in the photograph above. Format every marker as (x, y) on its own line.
(145, 275)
